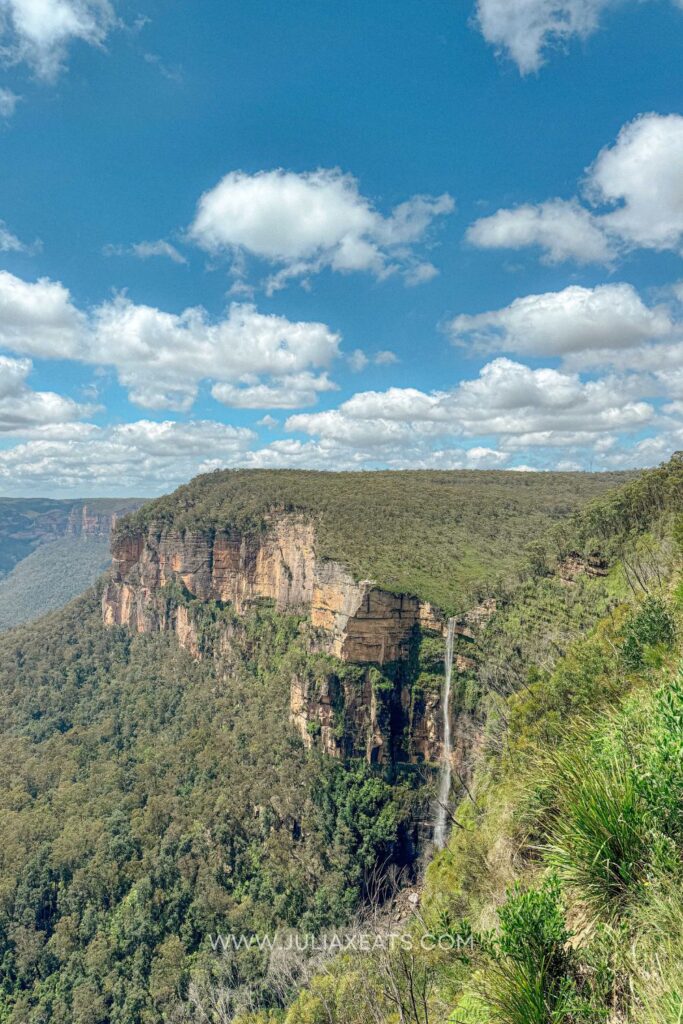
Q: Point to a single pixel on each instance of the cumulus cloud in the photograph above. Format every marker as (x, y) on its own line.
(563, 229)
(140, 457)
(526, 29)
(288, 393)
(642, 175)
(161, 357)
(507, 399)
(635, 189)
(40, 31)
(301, 223)
(22, 409)
(39, 318)
(575, 320)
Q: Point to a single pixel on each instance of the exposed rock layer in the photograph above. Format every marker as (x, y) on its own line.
(358, 621)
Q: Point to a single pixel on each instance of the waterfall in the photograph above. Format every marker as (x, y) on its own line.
(440, 815)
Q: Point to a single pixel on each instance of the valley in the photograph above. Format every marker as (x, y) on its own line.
(235, 731)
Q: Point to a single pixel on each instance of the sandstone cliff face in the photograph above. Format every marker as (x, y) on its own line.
(84, 521)
(358, 622)
(345, 713)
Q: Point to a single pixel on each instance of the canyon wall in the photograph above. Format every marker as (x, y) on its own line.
(373, 711)
(27, 523)
(85, 521)
(357, 621)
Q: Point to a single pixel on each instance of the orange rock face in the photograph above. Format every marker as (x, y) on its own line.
(359, 621)
(356, 621)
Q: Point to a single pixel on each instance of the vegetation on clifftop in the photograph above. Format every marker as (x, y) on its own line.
(443, 536)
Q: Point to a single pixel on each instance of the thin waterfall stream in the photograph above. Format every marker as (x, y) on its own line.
(441, 810)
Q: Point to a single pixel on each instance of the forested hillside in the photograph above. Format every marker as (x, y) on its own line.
(51, 551)
(50, 576)
(558, 898)
(155, 800)
(158, 797)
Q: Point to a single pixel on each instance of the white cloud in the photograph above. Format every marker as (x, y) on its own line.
(22, 409)
(357, 360)
(39, 319)
(322, 454)
(420, 273)
(564, 230)
(8, 103)
(385, 358)
(268, 421)
(509, 416)
(162, 358)
(144, 250)
(40, 31)
(642, 174)
(636, 191)
(287, 393)
(142, 457)
(575, 320)
(506, 399)
(301, 223)
(9, 241)
(526, 29)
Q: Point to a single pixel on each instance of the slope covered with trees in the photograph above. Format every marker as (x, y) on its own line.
(154, 801)
(51, 551)
(50, 577)
(558, 898)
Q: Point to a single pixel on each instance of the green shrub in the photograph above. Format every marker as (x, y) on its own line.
(652, 627)
(532, 926)
(533, 978)
(660, 769)
(597, 840)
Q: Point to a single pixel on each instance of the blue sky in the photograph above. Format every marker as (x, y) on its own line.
(337, 235)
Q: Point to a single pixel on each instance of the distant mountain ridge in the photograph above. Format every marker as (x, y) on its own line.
(51, 551)
(26, 523)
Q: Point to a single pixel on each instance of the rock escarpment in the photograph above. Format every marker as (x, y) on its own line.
(85, 521)
(358, 622)
(367, 702)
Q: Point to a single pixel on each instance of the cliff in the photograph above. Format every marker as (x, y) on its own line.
(357, 621)
(85, 520)
(373, 711)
